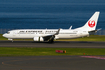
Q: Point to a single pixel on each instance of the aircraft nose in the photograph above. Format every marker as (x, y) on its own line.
(3, 35)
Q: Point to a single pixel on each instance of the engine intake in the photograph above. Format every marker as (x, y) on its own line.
(38, 39)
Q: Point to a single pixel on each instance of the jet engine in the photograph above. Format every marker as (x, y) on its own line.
(38, 39)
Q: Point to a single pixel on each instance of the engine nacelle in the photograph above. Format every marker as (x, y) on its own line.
(38, 39)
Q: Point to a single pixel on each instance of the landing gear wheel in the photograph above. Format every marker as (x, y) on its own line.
(51, 41)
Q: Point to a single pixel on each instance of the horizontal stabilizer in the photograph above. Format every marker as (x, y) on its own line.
(94, 30)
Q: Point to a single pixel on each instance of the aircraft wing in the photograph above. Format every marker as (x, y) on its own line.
(50, 38)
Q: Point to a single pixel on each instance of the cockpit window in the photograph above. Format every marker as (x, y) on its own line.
(8, 33)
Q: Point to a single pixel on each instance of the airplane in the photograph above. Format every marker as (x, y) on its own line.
(50, 35)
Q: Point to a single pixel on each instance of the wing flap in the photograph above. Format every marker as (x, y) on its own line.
(51, 37)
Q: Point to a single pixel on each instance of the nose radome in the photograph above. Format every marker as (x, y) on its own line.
(3, 35)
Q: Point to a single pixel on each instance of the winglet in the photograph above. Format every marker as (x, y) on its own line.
(57, 32)
(70, 27)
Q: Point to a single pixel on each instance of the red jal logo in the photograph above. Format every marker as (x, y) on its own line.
(91, 23)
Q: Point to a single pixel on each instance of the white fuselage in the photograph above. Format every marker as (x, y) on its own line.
(51, 34)
(31, 33)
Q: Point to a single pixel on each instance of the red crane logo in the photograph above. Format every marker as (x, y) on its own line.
(91, 23)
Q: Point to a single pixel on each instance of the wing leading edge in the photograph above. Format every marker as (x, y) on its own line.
(50, 38)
